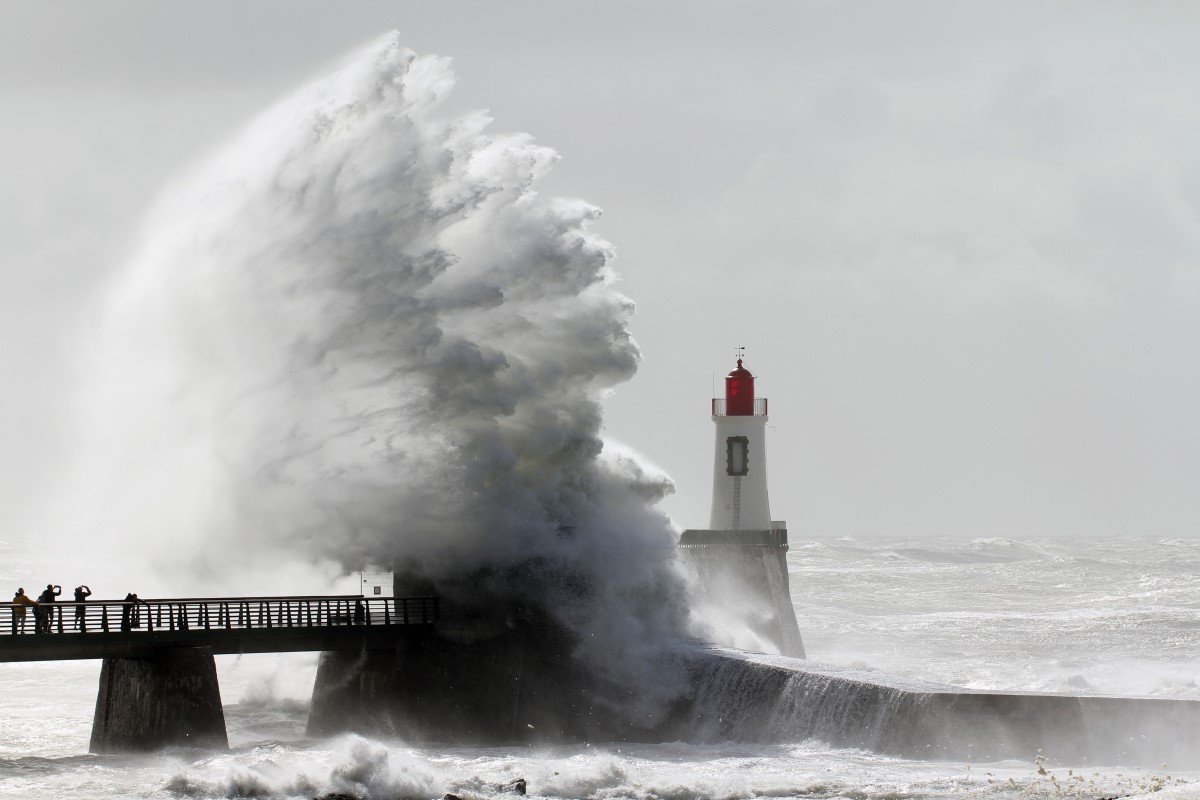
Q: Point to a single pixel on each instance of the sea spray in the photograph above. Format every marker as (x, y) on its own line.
(358, 336)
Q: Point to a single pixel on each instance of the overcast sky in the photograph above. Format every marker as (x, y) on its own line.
(959, 241)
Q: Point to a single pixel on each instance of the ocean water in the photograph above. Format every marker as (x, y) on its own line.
(1114, 617)
(1118, 616)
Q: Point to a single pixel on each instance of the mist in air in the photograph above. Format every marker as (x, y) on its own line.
(359, 337)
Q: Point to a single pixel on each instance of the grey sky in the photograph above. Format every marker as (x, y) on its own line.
(959, 240)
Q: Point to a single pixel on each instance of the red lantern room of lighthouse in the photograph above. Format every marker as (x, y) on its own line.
(739, 499)
(739, 393)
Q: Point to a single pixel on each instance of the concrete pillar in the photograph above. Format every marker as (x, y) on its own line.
(169, 699)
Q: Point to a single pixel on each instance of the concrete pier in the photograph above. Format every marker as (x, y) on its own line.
(492, 679)
(170, 698)
(743, 576)
(493, 669)
(510, 687)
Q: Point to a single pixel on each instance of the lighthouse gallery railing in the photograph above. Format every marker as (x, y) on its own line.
(718, 407)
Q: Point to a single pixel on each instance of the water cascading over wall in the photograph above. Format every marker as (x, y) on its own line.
(737, 696)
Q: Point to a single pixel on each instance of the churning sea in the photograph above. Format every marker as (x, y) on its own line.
(1117, 616)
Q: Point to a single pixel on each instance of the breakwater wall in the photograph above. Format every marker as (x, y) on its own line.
(520, 684)
(738, 696)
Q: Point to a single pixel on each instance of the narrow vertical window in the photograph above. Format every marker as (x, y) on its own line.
(736, 455)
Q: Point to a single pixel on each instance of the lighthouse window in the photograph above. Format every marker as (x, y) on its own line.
(736, 456)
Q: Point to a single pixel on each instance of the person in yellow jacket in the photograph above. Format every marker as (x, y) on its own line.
(20, 601)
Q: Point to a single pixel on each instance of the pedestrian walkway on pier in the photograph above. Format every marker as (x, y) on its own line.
(134, 629)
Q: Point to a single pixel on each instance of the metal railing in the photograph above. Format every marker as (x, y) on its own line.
(214, 613)
(719, 407)
(775, 537)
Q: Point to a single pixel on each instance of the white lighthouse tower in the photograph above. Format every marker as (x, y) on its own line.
(741, 558)
(739, 495)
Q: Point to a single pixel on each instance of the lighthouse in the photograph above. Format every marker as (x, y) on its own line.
(740, 560)
(739, 493)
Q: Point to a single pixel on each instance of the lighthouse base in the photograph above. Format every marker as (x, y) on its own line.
(743, 587)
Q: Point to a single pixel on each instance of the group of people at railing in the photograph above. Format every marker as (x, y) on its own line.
(228, 613)
(45, 609)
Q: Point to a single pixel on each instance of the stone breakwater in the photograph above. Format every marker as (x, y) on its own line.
(739, 696)
(519, 686)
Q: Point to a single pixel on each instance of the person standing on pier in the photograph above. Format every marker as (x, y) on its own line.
(20, 601)
(82, 593)
(130, 618)
(45, 612)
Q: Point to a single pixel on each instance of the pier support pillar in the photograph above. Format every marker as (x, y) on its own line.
(169, 699)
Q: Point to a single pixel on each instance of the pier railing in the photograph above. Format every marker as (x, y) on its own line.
(214, 614)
